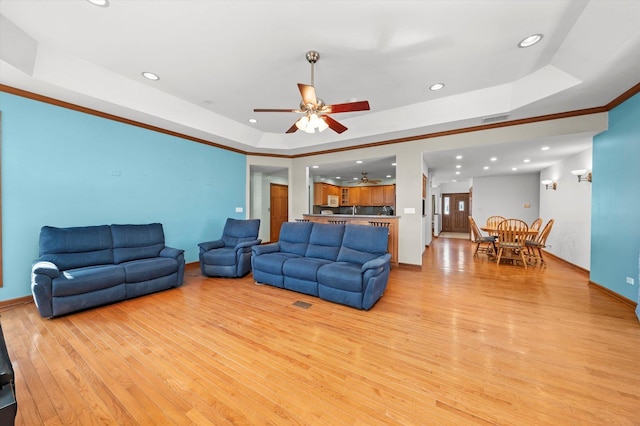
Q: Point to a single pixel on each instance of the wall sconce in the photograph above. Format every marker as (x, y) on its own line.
(549, 184)
(583, 175)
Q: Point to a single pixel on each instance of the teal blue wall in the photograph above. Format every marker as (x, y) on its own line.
(65, 168)
(615, 217)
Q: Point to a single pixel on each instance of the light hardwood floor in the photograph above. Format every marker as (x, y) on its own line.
(464, 341)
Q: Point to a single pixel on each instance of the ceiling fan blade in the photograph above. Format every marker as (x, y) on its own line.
(347, 107)
(335, 126)
(308, 94)
(292, 129)
(275, 110)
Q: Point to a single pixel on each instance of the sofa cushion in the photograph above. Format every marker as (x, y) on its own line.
(341, 275)
(132, 242)
(362, 243)
(272, 262)
(87, 280)
(304, 268)
(325, 241)
(149, 269)
(71, 248)
(294, 237)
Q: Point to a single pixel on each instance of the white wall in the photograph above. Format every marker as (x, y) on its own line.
(507, 197)
(409, 168)
(570, 206)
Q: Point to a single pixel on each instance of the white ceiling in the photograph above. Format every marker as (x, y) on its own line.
(217, 60)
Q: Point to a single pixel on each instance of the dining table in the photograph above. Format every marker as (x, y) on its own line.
(493, 231)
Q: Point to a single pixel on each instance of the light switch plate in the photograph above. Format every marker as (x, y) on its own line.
(239, 209)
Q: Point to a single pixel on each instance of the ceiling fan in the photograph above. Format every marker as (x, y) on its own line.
(314, 109)
(365, 179)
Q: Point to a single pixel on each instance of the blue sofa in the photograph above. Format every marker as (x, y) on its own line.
(346, 264)
(84, 267)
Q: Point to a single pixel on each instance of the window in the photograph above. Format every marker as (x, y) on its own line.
(446, 205)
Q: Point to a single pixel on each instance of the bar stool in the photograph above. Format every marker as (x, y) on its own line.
(380, 224)
(337, 222)
(302, 220)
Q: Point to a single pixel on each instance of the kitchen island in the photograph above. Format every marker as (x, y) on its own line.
(365, 220)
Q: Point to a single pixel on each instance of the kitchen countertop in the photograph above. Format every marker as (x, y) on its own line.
(377, 216)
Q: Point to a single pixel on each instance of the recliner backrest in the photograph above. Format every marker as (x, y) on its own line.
(362, 243)
(325, 241)
(237, 231)
(294, 237)
(133, 242)
(76, 247)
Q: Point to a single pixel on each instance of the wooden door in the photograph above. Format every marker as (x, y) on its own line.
(279, 209)
(455, 212)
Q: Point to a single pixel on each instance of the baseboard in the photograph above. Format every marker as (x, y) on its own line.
(614, 294)
(6, 304)
(566, 262)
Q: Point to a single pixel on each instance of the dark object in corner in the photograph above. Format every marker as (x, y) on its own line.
(8, 403)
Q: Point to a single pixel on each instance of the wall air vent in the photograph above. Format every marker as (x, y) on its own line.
(494, 118)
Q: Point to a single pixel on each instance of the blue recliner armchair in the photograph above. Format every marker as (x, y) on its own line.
(230, 256)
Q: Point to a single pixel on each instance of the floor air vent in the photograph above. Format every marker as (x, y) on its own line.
(301, 304)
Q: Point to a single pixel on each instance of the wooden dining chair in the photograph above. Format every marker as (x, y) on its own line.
(535, 226)
(493, 221)
(534, 247)
(512, 235)
(483, 244)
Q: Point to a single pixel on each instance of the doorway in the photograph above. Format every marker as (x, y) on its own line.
(278, 208)
(455, 212)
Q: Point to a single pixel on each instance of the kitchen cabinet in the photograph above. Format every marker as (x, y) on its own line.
(377, 195)
(365, 196)
(389, 195)
(321, 191)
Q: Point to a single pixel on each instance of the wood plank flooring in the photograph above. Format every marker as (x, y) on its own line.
(464, 341)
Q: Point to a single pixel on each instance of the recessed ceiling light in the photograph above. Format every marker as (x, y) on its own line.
(150, 76)
(486, 167)
(393, 164)
(356, 178)
(314, 167)
(101, 3)
(458, 166)
(453, 180)
(253, 120)
(338, 177)
(388, 176)
(436, 86)
(494, 159)
(526, 160)
(514, 169)
(458, 157)
(457, 173)
(359, 162)
(531, 40)
(545, 148)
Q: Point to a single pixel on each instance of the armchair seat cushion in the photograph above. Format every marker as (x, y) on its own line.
(87, 280)
(304, 268)
(223, 256)
(341, 275)
(149, 269)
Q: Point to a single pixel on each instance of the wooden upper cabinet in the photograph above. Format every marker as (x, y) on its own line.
(321, 191)
(377, 195)
(365, 196)
(334, 190)
(389, 195)
(354, 196)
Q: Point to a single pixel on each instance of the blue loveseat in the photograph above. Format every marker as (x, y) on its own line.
(84, 267)
(346, 264)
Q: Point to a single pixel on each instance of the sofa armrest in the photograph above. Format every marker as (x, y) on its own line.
(171, 252)
(265, 248)
(376, 263)
(210, 245)
(45, 268)
(246, 245)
